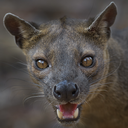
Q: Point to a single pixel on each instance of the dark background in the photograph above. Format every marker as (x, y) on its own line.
(15, 84)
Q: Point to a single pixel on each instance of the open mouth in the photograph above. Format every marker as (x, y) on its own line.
(68, 112)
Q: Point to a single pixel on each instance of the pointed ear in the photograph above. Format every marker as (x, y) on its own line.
(19, 28)
(104, 20)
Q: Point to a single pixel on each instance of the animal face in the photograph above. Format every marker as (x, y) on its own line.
(65, 71)
(66, 58)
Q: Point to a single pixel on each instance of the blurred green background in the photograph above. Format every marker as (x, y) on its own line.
(15, 84)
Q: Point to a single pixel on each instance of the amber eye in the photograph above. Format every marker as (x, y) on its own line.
(42, 64)
(87, 61)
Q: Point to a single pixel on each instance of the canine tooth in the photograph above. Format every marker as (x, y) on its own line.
(59, 114)
(76, 113)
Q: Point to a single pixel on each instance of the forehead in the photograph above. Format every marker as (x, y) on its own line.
(67, 42)
(63, 37)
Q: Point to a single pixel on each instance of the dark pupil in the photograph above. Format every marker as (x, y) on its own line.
(42, 64)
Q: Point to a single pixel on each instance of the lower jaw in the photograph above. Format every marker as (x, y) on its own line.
(69, 121)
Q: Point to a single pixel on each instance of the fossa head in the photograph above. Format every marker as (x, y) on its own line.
(65, 57)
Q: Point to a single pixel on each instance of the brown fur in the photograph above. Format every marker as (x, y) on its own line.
(103, 88)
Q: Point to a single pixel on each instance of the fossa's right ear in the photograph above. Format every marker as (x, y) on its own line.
(102, 23)
(19, 28)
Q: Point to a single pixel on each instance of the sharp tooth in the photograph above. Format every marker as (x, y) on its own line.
(76, 113)
(59, 114)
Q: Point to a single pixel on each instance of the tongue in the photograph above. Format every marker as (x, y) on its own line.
(68, 109)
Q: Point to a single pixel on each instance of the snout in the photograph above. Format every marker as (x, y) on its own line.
(67, 92)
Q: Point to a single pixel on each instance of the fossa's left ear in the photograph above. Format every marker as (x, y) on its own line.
(21, 29)
(104, 20)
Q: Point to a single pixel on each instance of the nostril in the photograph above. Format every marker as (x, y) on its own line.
(55, 89)
(75, 91)
(76, 86)
(57, 94)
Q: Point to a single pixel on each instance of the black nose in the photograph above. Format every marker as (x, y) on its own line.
(66, 91)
